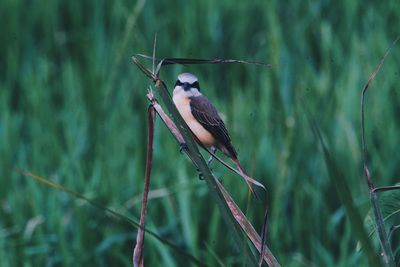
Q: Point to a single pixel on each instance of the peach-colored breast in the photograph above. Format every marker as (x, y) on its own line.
(183, 106)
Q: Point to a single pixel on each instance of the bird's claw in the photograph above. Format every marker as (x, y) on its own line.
(201, 176)
(182, 147)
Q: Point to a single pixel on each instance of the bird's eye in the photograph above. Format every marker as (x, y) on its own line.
(196, 85)
(178, 83)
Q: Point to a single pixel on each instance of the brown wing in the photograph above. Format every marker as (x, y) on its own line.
(206, 114)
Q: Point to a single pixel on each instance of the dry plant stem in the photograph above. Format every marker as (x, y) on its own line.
(387, 252)
(236, 212)
(168, 122)
(191, 61)
(263, 237)
(138, 251)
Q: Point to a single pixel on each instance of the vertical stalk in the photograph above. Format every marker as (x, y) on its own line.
(138, 251)
(387, 252)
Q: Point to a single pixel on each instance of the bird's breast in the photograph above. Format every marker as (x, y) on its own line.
(182, 103)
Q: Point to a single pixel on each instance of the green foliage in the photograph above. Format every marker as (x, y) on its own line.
(72, 111)
(389, 203)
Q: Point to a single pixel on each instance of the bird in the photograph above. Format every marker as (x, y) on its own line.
(204, 121)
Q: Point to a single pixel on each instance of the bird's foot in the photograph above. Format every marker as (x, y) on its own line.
(182, 147)
(201, 176)
(209, 162)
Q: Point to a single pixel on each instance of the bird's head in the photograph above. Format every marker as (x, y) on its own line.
(187, 84)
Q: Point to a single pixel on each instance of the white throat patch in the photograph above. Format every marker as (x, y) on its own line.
(179, 91)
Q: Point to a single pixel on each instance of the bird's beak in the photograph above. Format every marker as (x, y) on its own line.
(186, 86)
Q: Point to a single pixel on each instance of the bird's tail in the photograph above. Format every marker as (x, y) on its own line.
(250, 181)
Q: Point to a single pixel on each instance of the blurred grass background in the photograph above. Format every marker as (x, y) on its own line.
(73, 109)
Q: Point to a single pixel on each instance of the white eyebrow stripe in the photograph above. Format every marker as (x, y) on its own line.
(187, 77)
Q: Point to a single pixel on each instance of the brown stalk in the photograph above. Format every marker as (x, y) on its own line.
(138, 251)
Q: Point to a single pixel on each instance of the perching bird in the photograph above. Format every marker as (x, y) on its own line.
(204, 121)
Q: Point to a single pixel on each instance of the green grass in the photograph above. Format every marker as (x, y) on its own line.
(72, 111)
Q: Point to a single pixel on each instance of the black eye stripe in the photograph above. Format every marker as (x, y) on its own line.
(195, 85)
(178, 83)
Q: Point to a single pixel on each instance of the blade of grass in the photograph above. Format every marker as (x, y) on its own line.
(387, 212)
(387, 252)
(215, 256)
(393, 229)
(342, 188)
(129, 26)
(114, 214)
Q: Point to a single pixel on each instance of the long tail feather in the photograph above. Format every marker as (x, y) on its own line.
(240, 171)
(250, 181)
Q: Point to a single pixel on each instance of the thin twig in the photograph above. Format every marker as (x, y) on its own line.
(154, 50)
(197, 61)
(138, 251)
(365, 88)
